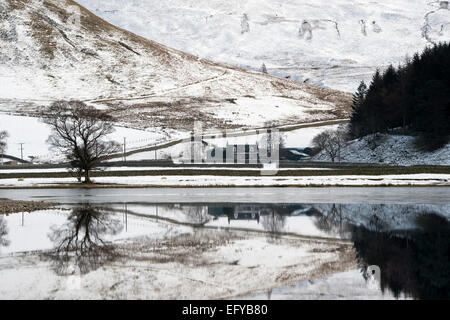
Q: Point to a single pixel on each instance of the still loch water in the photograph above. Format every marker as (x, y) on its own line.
(404, 231)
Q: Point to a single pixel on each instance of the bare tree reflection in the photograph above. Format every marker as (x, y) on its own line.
(197, 214)
(331, 221)
(80, 243)
(335, 218)
(3, 232)
(273, 220)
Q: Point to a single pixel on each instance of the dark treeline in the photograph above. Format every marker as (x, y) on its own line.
(415, 97)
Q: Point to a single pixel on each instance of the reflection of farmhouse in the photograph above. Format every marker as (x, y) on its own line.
(256, 211)
(248, 212)
(239, 212)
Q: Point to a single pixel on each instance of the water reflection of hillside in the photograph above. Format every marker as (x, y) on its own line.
(414, 262)
(392, 215)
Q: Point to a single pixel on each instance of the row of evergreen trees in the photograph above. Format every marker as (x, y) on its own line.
(415, 96)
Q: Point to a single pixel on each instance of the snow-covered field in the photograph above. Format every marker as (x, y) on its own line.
(390, 149)
(349, 285)
(336, 43)
(36, 134)
(230, 181)
(298, 138)
(118, 169)
(69, 53)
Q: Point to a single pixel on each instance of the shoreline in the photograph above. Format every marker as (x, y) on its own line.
(8, 206)
(125, 186)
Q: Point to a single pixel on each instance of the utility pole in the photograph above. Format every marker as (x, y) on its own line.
(126, 217)
(124, 149)
(21, 150)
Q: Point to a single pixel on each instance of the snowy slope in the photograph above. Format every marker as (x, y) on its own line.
(341, 42)
(55, 49)
(365, 151)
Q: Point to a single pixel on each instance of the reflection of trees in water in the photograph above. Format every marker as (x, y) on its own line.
(196, 214)
(331, 221)
(273, 220)
(80, 242)
(3, 232)
(415, 262)
(392, 215)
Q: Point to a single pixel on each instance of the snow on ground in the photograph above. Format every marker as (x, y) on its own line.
(214, 265)
(302, 138)
(195, 214)
(349, 285)
(390, 149)
(297, 138)
(118, 169)
(34, 133)
(142, 83)
(301, 225)
(228, 181)
(331, 43)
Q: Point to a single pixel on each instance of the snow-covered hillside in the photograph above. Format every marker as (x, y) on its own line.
(336, 43)
(55, 49)
(389, 149)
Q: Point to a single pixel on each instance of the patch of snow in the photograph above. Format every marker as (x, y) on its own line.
(389, 149)
(344, 285)
(218, 181)
(334, 47)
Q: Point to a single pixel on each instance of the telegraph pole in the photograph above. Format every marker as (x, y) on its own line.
(21, 150)
(124, 149)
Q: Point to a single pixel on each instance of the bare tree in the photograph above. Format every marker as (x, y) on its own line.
(331, 219)
(245, 27)
(273, 221)
(197, 214)
(331, 142)
(3, 136)
(79, 132)
(264, 68)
